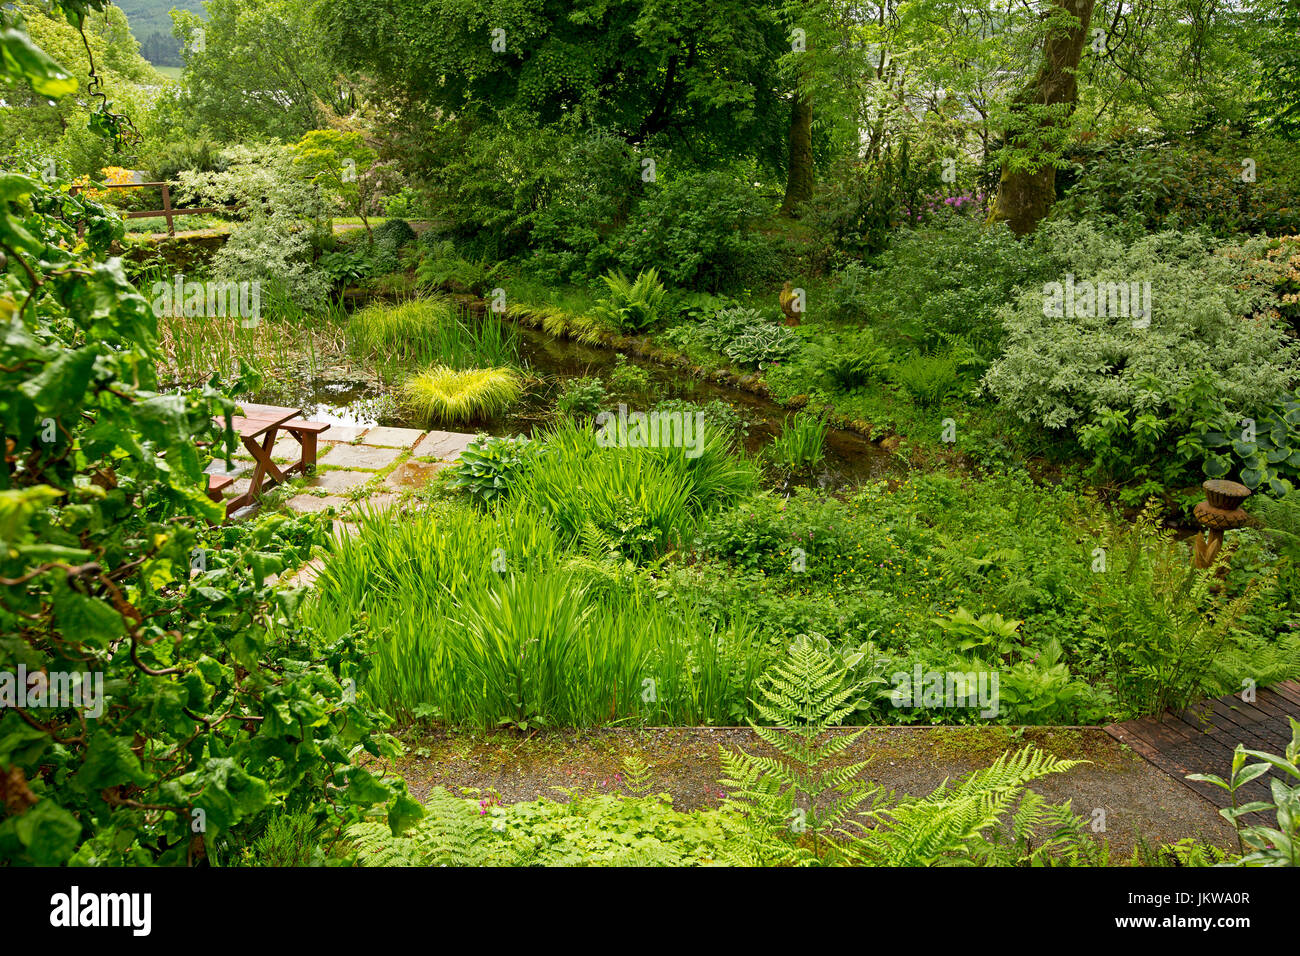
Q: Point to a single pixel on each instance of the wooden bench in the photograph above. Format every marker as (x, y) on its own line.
(257, 429)
(217, 484)
(306, 432)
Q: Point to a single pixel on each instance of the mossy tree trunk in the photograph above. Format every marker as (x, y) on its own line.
(1025, 195)
(799, 173)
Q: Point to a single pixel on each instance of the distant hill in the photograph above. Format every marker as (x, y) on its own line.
(152, 26)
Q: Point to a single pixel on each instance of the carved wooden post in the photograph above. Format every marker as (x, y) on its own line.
(1220, 512)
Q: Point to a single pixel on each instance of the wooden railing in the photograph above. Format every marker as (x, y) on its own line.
(167, 212)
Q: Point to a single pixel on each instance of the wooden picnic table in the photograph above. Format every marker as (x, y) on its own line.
(258, 428)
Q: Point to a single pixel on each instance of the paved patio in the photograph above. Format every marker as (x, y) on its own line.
(358, 468)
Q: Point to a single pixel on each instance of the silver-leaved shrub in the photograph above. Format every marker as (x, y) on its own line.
(1211, 311)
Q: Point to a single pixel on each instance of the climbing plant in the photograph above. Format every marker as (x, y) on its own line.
(158, 700)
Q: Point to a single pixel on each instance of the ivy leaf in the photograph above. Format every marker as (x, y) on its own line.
(403, 813)
(49, 832)
(110, 761)
(227, 793)
(364, 788)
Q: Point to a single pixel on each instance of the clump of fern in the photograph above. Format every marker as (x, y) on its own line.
(956, 824)
(799, 808)
(632, 304)
(1165, 625)
(449, 833)
(793, 803)
(442, 395)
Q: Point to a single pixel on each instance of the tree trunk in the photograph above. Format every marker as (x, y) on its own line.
(799, 175)
(1025, 196)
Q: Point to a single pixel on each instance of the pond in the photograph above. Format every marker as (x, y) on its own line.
(550, 363)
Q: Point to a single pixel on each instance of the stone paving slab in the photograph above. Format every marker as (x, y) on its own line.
(394, 437)
(1140, 801)
(305, 504)
(444, 445)
(344, 433)
(339, 480)
(360, 456)
(414, 474)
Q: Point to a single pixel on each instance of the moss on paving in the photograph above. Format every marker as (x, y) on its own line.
(1139, 801)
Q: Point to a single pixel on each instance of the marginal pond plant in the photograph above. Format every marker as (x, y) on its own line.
(443, 395)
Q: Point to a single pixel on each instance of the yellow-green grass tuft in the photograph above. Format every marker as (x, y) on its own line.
(445, 395)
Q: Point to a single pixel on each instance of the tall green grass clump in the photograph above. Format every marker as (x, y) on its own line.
(638, 502)
(801, 446)
(433, 330)
(442, 395)
(478, 620)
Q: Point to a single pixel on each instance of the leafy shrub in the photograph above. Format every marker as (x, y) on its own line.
(694, 227)
(515, 187)
(632, 304)
(99, 555)
(722, 416)
(1069, 372)
(347, 265)
(1262, 845)
(283, 219)
(441, 267)
(1147, 187)
(948, 276)
(742, 335)
(389, 237)
(846, 362)
(487, 466)
(446, 395)
(858, 205)
(628, 377)
(1263, 453)
(581, 396)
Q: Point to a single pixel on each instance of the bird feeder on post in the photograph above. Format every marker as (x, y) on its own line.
(1220, 511)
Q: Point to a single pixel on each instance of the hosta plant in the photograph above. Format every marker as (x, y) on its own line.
(485, 468)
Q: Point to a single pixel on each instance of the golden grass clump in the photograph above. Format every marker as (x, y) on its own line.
(445, 395)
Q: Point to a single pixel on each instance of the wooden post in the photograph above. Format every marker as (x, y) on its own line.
(167, 210)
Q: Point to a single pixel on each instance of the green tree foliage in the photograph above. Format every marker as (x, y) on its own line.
(254, 68)
(339, 163)
(1277, 47)
(60, 114)
(703, 76)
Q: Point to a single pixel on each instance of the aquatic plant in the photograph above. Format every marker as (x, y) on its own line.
(445, 395)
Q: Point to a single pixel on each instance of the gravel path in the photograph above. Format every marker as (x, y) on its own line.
(1138, 799)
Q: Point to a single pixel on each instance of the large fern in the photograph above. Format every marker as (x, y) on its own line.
(950, 826)
(793, 803)
(450, 833)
